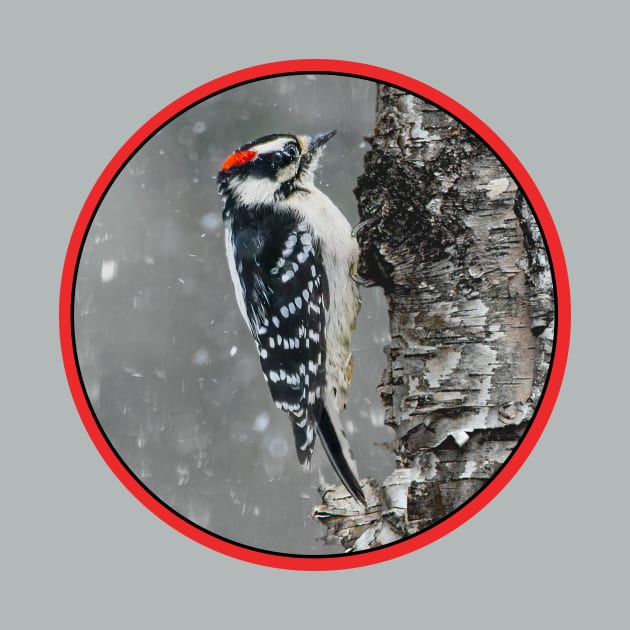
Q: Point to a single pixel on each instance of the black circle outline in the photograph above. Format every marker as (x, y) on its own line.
(78, 366)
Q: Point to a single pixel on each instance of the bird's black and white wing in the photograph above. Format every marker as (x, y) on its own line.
(282, 290)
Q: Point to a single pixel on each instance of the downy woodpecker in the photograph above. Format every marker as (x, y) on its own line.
(291, 253)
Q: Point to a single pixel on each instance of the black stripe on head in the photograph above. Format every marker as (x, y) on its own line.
(269, 139)
(272, 154)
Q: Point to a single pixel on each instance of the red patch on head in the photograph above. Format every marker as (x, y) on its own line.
(238, 158)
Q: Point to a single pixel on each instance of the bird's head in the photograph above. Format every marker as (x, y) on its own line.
(272, 167)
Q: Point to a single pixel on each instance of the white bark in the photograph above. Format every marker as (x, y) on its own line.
(458, 252)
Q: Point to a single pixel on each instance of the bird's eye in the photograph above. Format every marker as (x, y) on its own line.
(291, 151)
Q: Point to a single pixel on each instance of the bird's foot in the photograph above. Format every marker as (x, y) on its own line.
(359, 227)
(359, 279)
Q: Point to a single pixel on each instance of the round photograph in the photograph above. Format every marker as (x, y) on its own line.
(314, 314)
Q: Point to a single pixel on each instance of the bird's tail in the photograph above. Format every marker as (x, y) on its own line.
(339, 453)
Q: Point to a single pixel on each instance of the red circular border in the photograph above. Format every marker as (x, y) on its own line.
(557, 367)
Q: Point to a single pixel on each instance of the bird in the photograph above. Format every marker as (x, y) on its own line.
(291, 255)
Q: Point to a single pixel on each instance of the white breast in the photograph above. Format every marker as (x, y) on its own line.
(340, 253)
(338, 246)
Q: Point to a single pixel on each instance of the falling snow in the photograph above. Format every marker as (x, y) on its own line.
(201, 357)
(109, 269)
(261, 422)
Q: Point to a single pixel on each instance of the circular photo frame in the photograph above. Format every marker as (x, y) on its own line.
(459, 346)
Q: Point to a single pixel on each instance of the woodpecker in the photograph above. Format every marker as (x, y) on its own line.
(291, 255)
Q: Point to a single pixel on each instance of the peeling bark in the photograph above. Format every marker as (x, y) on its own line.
(456, 249)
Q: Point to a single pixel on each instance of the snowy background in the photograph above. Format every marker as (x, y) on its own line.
(170, 367)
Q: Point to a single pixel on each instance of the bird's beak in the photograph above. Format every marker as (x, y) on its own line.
(320, 140)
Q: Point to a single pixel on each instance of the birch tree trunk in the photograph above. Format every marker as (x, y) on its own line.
(459, 255)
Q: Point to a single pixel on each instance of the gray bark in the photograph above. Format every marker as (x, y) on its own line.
(459, 255)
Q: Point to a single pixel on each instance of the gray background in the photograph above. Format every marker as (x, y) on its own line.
(79, 550)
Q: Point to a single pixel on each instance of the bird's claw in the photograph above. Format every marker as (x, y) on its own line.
(364, 282)
(359, 227)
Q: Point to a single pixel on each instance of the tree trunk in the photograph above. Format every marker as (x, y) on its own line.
(458, 252)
